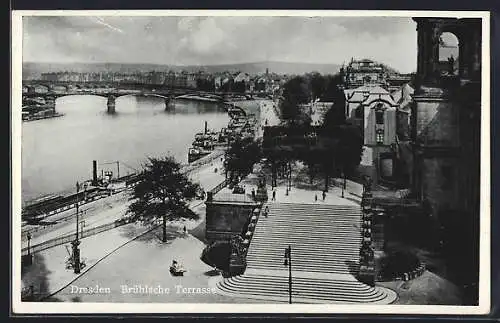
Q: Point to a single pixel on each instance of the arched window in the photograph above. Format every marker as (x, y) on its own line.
(379, 114)
(448, 54)
(380, 136)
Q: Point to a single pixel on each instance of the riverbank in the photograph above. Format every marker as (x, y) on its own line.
(198, 98)
(42, 117)
(48, 274)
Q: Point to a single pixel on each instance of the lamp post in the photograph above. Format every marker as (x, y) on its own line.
(29, 243)
(288, 262)
(85, 185)
(289, 166)
(76, 242)
(82, 225)
(343, 184)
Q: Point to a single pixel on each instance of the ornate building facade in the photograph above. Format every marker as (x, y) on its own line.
(445, 135)
(446, 117)
(374, 110)
(361, 72)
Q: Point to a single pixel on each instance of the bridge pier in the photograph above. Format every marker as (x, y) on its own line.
(169, 103)
(111, 104)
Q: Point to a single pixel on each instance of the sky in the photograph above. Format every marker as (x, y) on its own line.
(212, 40)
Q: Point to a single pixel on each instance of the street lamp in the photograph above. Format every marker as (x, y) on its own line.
(343, 184)
(82, 225)
(76, 242)
(85, 185)
(288, 262)
(29, 240)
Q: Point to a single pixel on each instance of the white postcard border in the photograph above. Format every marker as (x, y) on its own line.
(19, 307)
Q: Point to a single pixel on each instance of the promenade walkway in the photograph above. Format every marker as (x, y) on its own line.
(48, 274)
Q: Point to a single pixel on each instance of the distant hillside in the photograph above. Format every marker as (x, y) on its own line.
(33, 70)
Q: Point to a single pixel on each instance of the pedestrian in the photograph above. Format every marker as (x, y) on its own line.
(274, 195)
(315, 197)
(324, 195)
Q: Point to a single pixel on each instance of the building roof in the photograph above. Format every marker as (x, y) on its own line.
(375, 97)
(373, 89)
(348, 93)
(225, 197)
(361, 93)
(242, 77)
(357, 97)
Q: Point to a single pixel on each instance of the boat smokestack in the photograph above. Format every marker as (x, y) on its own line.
(94, 172)
(206, 127)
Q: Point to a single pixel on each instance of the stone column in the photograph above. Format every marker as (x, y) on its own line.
(463, 54)
(476, 53)
(428, 49)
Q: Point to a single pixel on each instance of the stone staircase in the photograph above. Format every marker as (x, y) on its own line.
(325, 242)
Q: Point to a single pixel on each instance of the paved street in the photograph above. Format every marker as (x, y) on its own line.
(49, 274)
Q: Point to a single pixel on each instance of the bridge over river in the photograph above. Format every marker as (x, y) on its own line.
(51, 91)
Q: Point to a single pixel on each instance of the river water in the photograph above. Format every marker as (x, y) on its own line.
(58, 152)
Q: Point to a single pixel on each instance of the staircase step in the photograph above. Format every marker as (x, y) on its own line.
(325, 242)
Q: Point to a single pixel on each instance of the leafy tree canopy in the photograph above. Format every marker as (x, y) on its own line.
(163, 192)
(242, 155)
(295, 92)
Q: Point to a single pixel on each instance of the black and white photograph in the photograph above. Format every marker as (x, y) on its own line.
(240, 161)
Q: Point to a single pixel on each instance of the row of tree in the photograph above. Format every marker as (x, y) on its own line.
(308, 88)
(340, 143)
(165, 191)
(241, 156)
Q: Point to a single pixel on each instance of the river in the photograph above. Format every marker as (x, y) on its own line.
(58, 152)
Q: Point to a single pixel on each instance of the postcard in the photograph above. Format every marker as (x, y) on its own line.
(234, 161)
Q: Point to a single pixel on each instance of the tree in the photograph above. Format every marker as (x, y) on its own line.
(333, 84)
(340, 148)
(162, 193)
(239, 87)
(317, 85)
(241, 156)
(350, 148)
(295, 92)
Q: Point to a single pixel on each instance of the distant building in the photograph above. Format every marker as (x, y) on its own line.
(374, 110)
(360, 72)
(170, 79)
(41, 89)
(191, 81)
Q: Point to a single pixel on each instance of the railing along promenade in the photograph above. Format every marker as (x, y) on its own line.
(88, 232)
(71, 236)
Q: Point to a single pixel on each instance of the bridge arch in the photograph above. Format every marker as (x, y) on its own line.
(111, 97)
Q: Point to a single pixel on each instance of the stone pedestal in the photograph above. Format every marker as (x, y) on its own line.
(367, 264)
(236, 265)
(261, 194)
(367, 274)
(27, 260)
